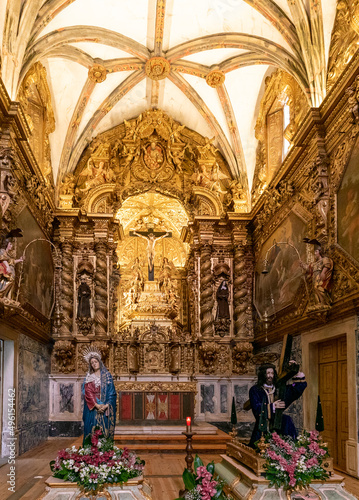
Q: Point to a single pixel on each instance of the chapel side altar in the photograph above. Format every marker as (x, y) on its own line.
(242, 470)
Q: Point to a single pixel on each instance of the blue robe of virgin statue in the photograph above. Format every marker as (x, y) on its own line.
(105, 394)
(257, 395)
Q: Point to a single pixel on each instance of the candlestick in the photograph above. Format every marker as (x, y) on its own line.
(188, 422)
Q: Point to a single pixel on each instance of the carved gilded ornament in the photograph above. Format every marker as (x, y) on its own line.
(35, 98)
(97, 73)
(281, 89)
(344, 40)
(241, 357)
(151, 152)
(64, 356)
(157, 68)
(354, 10)
(156, 386)
(215, 78)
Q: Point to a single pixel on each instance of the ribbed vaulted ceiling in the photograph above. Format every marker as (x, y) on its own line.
(244, 39)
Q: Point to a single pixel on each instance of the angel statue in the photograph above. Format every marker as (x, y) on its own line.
(165, 275)
(7, 263)
(100, 396)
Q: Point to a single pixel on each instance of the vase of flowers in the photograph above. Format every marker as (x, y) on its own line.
(98, 463)
(295, 464)
(202, 485)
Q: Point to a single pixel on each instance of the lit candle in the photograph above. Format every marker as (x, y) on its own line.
(188, 422)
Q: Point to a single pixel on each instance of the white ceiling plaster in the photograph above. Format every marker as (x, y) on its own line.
(210, 97)
(114, 15)
(207, 17)
(130, 106)
(100, 51)
(99, 94)
(243, 86)
(214, 56)
(66, 80)
(176, 104)
(184, 21)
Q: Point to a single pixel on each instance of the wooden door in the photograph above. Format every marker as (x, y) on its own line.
(333, 391)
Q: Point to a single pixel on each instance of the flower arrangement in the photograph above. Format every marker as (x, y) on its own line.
(96, 463)
(201, 484)
(295, 464)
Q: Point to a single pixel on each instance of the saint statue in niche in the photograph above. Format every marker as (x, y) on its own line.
(222, 297)
(84, 299)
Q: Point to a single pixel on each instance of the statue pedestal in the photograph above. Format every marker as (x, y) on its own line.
(134, 489)
(244, 484)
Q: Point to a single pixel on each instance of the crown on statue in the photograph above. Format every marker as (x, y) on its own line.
(91, 352)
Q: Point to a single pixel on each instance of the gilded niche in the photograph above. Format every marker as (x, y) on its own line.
(282, 108)
(35, 98)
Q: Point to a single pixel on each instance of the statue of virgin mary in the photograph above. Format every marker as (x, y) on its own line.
(100, 397)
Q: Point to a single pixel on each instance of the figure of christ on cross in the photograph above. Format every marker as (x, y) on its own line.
(151, 237)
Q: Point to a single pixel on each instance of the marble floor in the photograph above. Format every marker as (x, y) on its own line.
(163, 471)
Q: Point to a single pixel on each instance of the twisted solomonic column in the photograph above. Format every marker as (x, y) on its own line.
(101, 289)
(206, 297)
(67, 288)
(241, 292)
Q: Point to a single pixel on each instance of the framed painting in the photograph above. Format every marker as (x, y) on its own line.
(279, 258)
(348, 206)
(37, 277)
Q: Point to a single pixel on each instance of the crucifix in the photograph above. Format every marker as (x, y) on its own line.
(152, 237)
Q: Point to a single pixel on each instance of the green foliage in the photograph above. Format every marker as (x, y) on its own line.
(197, 463)
(189, 479)
(203, 478)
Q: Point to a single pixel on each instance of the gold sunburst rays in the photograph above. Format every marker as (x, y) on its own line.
(167, 210)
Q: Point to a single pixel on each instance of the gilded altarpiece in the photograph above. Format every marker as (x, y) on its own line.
(281, 90)
(168, 287)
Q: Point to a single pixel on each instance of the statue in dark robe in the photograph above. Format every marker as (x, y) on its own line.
(222, 297)
(84, 298)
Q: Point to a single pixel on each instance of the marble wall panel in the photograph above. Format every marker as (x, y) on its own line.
(207, 395)
(66, 402)
(33, 393)
(240, 396)
(224, 399)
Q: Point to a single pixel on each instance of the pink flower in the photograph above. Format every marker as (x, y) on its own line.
(281, 443)
(273, 455)
(292, 481)
(203, 472)
(314, 435)
(312, 462)
(207, 489)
